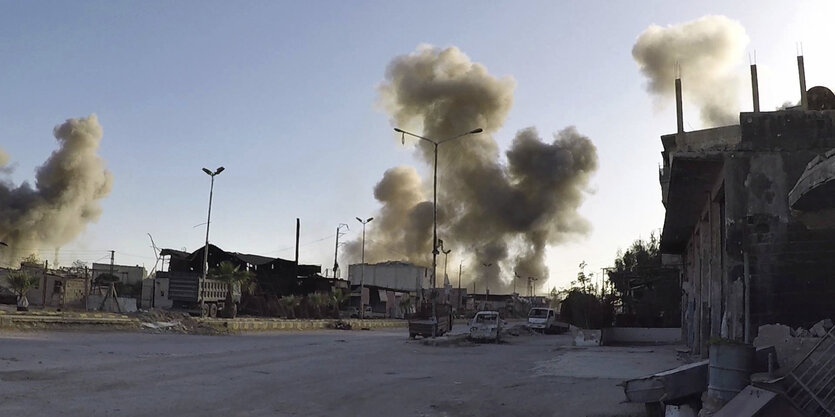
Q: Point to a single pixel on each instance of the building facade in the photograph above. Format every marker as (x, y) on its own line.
(747, 257)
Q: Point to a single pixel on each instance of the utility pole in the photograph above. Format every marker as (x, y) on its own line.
(362, 270)
(515, 277)
(336, 248)
(460, 267)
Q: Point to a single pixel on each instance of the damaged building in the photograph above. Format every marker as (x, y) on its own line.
(750, 218)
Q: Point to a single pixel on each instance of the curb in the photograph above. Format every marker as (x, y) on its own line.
(11, 320)
(283, 324)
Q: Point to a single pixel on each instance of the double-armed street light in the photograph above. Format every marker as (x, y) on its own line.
(209, 218)
(435, 143)
(362, 271)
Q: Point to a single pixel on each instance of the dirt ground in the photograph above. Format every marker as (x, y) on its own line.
(322, 373)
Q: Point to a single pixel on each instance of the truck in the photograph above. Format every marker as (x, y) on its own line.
(426, 324)
(196, 295)
(546, 320)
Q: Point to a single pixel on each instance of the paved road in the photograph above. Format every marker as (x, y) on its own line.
(325, 373)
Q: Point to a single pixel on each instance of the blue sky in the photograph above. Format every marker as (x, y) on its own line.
(283, 95)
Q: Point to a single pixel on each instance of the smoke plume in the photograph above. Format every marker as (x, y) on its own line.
(490, 211)
(707, 50)
(66, 195)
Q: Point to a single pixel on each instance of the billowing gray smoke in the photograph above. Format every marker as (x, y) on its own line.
(66, 195)
(489, 211)
(707, 51)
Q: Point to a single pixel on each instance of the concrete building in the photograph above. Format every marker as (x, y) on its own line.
(747, 256)
(394, 275)
(126, 274)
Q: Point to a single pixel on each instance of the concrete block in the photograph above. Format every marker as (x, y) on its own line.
(615, 335)
(679, 411)
(586, 337)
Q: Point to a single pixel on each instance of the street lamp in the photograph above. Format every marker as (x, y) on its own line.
(209, 219)
(434, 192)
(362, 271)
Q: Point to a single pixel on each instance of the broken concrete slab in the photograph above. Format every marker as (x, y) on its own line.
(790, 350)
(585, 337)
(758, 402)
(670, 385)
(821, 328)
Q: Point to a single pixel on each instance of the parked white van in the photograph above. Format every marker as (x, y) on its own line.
(545, 320)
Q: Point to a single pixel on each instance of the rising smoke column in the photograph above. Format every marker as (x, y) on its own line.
(708, 51)
(489, 211)
(66, 195)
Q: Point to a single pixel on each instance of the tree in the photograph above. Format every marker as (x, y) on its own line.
(316, 301)
(406, 304)
(21, 282)
(338, 297)
(288, 304)
(32, 258)
(233, 276)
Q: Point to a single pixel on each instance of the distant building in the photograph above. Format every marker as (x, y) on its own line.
(394, 275)
(126, 274)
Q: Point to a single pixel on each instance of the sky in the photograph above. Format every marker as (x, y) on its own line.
(284, 96)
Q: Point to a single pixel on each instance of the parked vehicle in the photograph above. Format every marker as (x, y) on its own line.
(424, 323)
(191, 293)
(350, 313)
(370, 314)
(546, 320)
(487, 326)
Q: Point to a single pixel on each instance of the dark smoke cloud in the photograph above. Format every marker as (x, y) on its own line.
(490, 211)
(66, 195)
(708, 51)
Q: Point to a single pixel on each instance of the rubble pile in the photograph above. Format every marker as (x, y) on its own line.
(163, 321)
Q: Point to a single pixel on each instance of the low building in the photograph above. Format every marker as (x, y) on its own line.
(509, 305)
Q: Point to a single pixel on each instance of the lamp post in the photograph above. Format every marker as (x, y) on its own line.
(362, 271)
(336, 247)
(209, 218)
(435, 143)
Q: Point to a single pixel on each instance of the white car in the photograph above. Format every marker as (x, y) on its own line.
(486, 325)
(545, 320)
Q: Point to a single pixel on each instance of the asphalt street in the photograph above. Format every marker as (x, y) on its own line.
(317, 373)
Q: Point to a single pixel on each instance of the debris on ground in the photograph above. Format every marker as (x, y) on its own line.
(339, 325)
(519, 330)
(164, 321)
(448, 340)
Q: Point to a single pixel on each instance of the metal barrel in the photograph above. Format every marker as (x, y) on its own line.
(729, 369)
